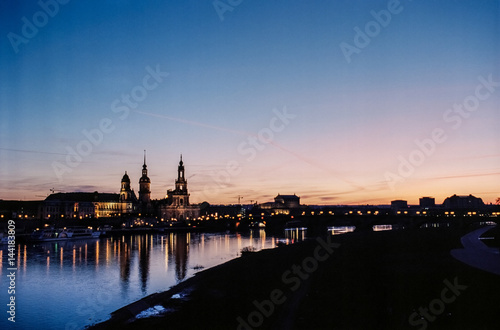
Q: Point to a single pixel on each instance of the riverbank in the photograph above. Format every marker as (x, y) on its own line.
(372, 280)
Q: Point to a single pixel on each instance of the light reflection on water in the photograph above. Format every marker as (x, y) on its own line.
(435, 225)
(70, 284)
(296, 234)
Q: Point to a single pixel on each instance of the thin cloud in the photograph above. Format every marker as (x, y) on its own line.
(325, 199)
(478, 157)
(32, 151)
(463, 176)
(194, 123)
(243, 133)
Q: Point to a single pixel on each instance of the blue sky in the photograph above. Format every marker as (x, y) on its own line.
(352, 122)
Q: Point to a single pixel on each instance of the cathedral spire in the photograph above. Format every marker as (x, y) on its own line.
(180, 170)
(144, 166)
(181, 182)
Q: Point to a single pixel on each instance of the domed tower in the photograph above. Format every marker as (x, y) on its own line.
(125, 192)
(144, 184)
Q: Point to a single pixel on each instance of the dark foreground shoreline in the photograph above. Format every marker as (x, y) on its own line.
(374, 280)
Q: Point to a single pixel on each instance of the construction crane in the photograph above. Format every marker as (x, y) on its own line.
(239, 198)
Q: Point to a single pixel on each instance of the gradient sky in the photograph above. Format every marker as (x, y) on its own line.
(353, 121)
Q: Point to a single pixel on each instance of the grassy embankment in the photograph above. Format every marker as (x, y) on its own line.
(372, 281)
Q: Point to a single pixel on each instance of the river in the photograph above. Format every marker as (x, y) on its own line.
(71, 284)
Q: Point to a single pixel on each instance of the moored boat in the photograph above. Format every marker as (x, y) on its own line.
(53, 234)
(106, 229)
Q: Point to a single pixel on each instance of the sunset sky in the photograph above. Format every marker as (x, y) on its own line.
(329, 100)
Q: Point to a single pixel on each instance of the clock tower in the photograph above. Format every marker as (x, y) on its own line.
(180, 196)
(175, 206)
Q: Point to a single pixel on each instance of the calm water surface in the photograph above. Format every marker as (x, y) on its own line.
(71, 284)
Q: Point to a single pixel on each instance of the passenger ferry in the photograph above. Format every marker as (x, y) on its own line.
(52, 234)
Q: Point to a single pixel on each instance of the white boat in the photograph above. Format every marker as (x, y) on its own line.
(51, 234)
(105, 229)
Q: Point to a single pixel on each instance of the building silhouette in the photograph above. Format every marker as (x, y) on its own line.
(288, 201)
(427, 202)
(399, 204)
(470, 202)
(145, 189)
(126, 193)
(80, 205)
(283, 204)
(176, 205)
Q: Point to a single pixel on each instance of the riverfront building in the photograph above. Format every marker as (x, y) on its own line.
(80, 205)
(283, 204)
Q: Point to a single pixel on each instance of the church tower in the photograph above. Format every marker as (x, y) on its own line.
(144, 184)
(176, 206)
(181, 183)
(179, 197)
(125, 192)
